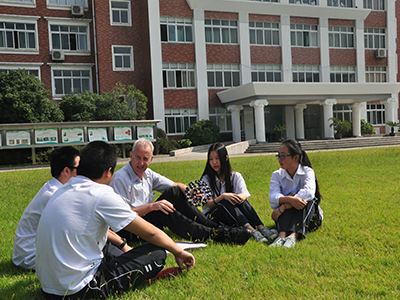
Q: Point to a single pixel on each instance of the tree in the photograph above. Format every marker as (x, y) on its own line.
(23, 99)
(79, 107)
(202, 132)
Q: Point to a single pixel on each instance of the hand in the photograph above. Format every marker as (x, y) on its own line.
(232, 198)
(297, 202)
(185, 260)
(126, 248)
(276, 213)
(163, 205)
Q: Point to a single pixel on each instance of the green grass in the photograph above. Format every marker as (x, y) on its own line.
(356, 253)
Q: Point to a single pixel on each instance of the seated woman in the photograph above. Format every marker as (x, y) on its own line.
(294, 195)
(229, 205)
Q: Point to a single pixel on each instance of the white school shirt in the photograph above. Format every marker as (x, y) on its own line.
(302, 185)
(73, 231)
(238, 187)
(24, 250)
(139, 191)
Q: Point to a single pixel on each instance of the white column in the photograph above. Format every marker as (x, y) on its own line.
(248, 114)
(324, 48)
(360, 50)
(236, 130)
(201, 64)
(259, 118)
(323, 3)
(244, 39)
(391, 28)
(289, 122)
(156, 62)
(286, 49)
(359, 4)
(390, 112)
(363, 111)
(329, 132)
(300, 121)
(356, 118)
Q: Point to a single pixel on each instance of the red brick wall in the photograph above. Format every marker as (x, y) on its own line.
(185, 98)
(306, 56)
(178, 52)
(223, 54)
(220, 15)
(265, 55)
(342, 57)
(175, 8)
(297, 20)
(371, 60)
(264, 18)
(375, 19)
(337, 22)
(213, 99)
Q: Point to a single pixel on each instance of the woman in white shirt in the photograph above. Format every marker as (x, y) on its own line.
(294, 195)
(229, 205)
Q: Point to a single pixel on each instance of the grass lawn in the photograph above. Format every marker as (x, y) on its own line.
(355, 254)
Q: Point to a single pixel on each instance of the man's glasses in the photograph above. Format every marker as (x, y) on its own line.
(281, 156)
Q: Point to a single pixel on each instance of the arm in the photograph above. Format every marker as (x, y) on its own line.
(116, 240)
(165, 206)
(181, 186)
(157, 237)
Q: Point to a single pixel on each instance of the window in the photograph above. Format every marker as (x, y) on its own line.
(305, 73)
(70, 37)
(18, 36)
(70, 81)
(122, 58)
(176, 30)
(374, 38)
(266, 73)
(178, 75)
(273, 1)
(307, 2)
(376, 114)
(341, 3)
(264, 33)
(374, 4)
(341, 37)
(303, 35)
(219, 76)
(221, 31)
(32, 70)
(342, 112)
(222, 118)
(18, 2)
(67, 3)
(120, 12)
(179, 120)
(343, 74)
(375, 74)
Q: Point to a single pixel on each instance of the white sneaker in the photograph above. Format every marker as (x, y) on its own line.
(259, 237)
(290, 242)
(278, 242)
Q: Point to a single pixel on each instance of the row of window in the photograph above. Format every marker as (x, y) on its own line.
(375, 113)
(369, 4)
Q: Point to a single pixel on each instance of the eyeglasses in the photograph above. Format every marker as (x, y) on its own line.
(282, 156)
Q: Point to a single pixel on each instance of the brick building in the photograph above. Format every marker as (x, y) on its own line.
(249, 66)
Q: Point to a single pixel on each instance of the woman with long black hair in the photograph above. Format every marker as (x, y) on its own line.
(294, 195)
(229, 205)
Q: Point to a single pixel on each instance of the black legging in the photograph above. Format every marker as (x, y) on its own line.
(235, 215)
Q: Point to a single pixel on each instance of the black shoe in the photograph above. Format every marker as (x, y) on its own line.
(233, 235)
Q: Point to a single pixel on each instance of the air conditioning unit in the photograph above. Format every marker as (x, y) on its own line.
(380, 53)
(77, 10)
(57, 55)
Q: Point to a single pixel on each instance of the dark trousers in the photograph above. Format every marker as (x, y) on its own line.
(235, 215)
(300, 221)
(118, 274)
(187, 221)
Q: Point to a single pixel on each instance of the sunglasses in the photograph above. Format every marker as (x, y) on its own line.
(282, 156)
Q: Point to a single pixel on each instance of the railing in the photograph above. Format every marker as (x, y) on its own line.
(39, 135)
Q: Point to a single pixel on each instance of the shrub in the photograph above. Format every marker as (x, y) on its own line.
(163, 144)
(79, 107)
(185, 143)
(343, 128)
(367, 128)
(23, 99)
(202, 132)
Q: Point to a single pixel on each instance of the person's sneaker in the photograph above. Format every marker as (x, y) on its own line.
(234, 235)
(269, 234)
(290, 242)
(278, 242)
(259, 237)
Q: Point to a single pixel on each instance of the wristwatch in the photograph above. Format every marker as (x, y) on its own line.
(122, 245)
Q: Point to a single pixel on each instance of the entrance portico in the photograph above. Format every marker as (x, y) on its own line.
(296, 97)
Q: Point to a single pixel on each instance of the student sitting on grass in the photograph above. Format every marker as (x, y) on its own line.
(229, 203)
(294, 195)
(73, 229)
(63, 164)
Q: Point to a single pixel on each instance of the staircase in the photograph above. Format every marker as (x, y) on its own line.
(375, 141)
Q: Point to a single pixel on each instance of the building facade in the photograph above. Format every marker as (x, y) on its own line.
(248, 66)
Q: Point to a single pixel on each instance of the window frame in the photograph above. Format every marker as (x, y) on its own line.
(22, 66)
(223, 69)
(334, 31)
(373, 71)
(18, 4)
(172, 22)
(173, 68)
(342, 71)
(267, 71)
(66, 6)
(330, 3)
(129, 10)
(131, 58)
(220, 28)
(25, 21)
(220, 114)
(305, 69)
(266, 28)
(373, 4)
(304, 2)
(340, 111)
(372, 114)
(372, 36)
(68, 23)
(179, 113)
(69, 68)
(313, 35)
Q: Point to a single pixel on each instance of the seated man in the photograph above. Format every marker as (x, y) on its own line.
(63, 164)
(136, 182)
(73, 230)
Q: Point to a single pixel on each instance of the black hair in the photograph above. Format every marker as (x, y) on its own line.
(97, 157)
(294, 149)
(225, 172)
(61, 158)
